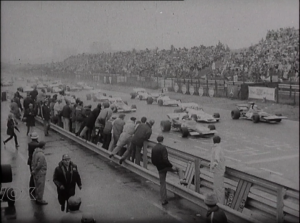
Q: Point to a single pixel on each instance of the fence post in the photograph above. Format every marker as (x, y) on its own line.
(280, 197)
(197, 175)
(145, 154)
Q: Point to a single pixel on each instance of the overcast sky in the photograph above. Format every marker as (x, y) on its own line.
(38, 32)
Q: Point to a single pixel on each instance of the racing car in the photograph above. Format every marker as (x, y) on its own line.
(167, 101)
(252, 112)
(99, 97)
(118, 105)
(139, 93)
(197, 113)
(187, 126)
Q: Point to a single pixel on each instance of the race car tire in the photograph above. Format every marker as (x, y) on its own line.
(278, 120)
(133, 95)
(160, 102)
(141, 97)
(104, 94)
(149, 100)
(165, 126)
(216, 115)
(178, 110)
(255, 118)
(114, 109)
(133, 106)
(235, 114)
(278, 114)
(194, 117)
(184, 132)
(125, 102)
(211, 127)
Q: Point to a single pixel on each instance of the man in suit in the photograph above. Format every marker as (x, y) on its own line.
(45, 113)
(159, 158)
(31, 148)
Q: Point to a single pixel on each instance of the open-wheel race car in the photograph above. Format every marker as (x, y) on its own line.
(139, 93)
(252, 112)
(187, 126)
(197, 113)
(163, 100)
(118, 105)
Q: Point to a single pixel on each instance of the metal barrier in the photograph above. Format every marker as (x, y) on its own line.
(253, 198)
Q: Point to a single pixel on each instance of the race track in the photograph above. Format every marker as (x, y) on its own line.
(270, 147)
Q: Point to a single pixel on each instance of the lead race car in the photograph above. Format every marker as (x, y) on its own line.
(187, 126)
(164, 100)
(197, 113)
(252, 112)
(139, 93)
(118, 105)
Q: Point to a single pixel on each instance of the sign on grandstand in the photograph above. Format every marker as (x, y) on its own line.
(201, 91)
(183, 89)
(211, 92)
(262, 93)
(176, 87)
(192, 90)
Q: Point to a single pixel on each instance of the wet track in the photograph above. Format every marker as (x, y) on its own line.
(270, 147)
(110, 192)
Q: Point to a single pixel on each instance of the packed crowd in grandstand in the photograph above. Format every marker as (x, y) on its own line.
(276, 55)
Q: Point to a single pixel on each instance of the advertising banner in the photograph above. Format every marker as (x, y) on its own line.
(261, 93)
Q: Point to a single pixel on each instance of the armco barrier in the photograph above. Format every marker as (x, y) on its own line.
(256, 199)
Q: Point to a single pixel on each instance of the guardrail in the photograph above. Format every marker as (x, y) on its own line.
(251, 199)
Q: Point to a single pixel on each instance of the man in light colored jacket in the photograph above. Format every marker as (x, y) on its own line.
(39, 170)
(117, 129)
(217, 166)
(125, 136)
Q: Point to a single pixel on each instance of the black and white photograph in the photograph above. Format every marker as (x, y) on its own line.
(150, 111)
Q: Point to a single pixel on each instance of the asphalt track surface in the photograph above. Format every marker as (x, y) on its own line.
(269, 147)
(110, 192)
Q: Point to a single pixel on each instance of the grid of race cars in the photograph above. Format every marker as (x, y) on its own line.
(187, 118)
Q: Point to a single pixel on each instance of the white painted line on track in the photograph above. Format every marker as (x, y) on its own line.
(277, 173)
(273, 159)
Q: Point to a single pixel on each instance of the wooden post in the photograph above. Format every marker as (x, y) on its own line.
(197, 175)
(280, 197)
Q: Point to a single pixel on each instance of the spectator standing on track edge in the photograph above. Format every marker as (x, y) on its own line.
(117, 129)
(30, 120)
(65, 177)
(66, 115)
(45, 113)
(143, 132)
(106, 134)
(39, 170)
(102, 118)
(31, 147)
(11, 126)
(159, 158)
(217, 167)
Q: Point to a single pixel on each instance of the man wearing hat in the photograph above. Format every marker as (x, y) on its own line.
(142, 133)
(125, 136)
(159, 158)
(45, 113)
(87, 218)
(65, 177)
(74, 214)
(31, 147)
(39, 170)
(117, 129)
(214, 213)
(217, 167)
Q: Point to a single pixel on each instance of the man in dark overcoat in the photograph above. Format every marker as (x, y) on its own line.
(65, 177)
